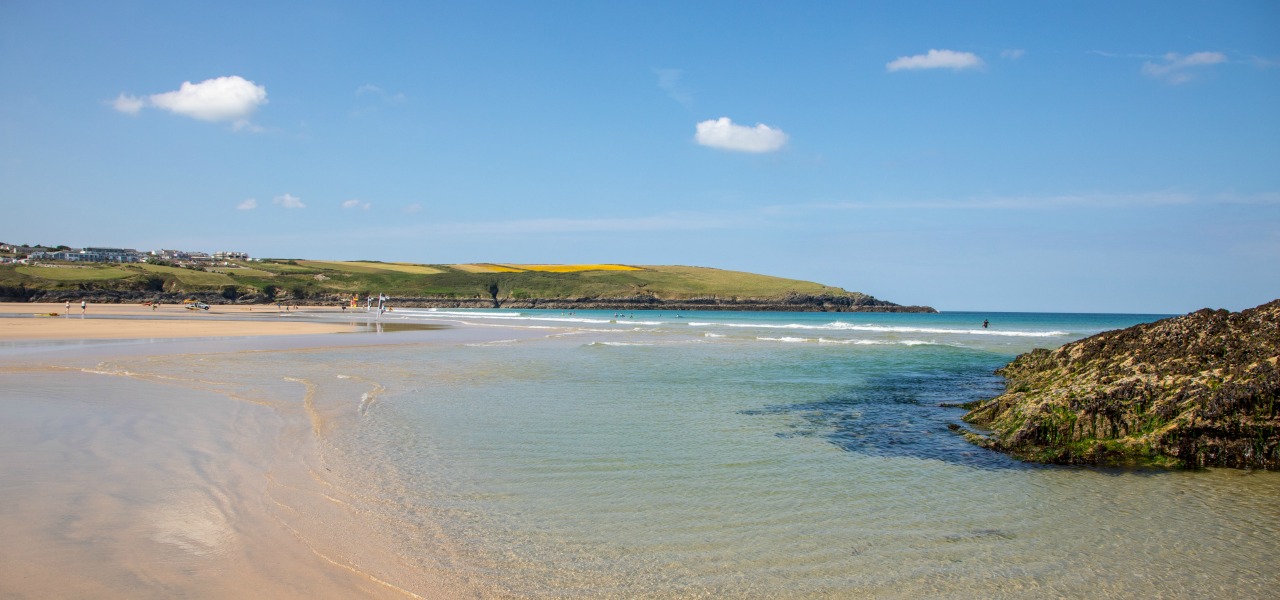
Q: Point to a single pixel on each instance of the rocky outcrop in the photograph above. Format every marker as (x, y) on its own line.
(790, 303)
(1199, 390)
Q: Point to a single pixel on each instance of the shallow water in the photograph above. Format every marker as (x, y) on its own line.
(719, 455)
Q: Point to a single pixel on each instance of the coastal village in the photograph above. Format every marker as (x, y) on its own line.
(22, 254)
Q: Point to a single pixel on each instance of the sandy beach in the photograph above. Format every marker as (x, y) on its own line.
(122, 480)
(22, 321)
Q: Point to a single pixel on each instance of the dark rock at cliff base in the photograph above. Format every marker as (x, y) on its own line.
(1200, 390)
(852, 302)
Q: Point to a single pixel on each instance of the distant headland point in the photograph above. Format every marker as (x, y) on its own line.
(122, 275)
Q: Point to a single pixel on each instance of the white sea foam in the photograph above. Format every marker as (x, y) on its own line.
(460, 313)
(865, 342)
(855, 342)
(430, 313)
(842, 326)
(790, 340)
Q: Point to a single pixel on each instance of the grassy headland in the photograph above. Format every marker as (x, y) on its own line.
(485, 285)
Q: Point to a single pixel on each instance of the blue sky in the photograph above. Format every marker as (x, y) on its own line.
(1082, 156)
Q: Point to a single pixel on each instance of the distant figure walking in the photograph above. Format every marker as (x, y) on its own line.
(67, 313)
(985, 323)
(83, 305)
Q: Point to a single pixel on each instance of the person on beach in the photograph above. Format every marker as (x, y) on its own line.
(83, 305)
(67, 313)
(985, 323)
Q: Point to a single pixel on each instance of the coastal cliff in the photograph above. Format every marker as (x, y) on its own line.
(487, 285)
(849, 302)
(789, 303)
(1198, 390)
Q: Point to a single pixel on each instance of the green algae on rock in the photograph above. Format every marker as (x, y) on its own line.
(1198, 390)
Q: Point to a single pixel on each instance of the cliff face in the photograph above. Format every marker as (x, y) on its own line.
(1192, 391)
(790, 303)
(853, 302)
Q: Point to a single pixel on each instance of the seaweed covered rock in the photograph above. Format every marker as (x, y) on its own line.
(1192, 391)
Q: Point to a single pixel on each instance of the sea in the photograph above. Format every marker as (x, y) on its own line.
(664, 454)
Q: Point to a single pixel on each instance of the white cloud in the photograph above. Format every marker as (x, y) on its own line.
(1265, 63)
(1091, 200)
(249, 204)
(129, 105)
(231, 99)
(936, 59)
(1013, 53)
(1174, 67)
(725, 134)
(669, 82)
(385, 96)
(288, 201)
(353, 203)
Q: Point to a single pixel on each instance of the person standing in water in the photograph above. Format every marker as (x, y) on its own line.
(985, 323)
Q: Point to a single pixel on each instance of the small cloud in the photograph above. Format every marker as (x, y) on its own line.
(1013, 53)
(231, 99)
(129, 105)
(725, 134)
(374, 91)
(413, 208)
(353, 203)
(1174, 67)
(936, 59)
(288, 201)
(669, 82)
(1265, 63)
(249, 204)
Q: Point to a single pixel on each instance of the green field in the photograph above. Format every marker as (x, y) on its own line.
(73, 273)
(370, 267)
(300, 279)
(201, 279)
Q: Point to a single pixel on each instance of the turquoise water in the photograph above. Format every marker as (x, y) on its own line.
(759, 455)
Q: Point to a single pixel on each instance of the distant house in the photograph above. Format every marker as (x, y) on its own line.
(22, 250)
(99, 255)
(231, 256)
(117, 255)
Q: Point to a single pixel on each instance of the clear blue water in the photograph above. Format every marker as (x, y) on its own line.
(721, 454)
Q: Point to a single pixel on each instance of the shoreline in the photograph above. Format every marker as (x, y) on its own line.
(23, 322)
(798, 303)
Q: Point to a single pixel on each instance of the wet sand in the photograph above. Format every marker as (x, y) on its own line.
(22, 321)
(116, 483)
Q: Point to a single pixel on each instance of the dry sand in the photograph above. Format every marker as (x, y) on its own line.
(32, 321)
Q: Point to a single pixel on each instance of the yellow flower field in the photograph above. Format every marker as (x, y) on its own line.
(573, 268)
(485, 268)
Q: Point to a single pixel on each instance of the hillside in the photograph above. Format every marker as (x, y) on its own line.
(457, 285)
(1191, 391)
